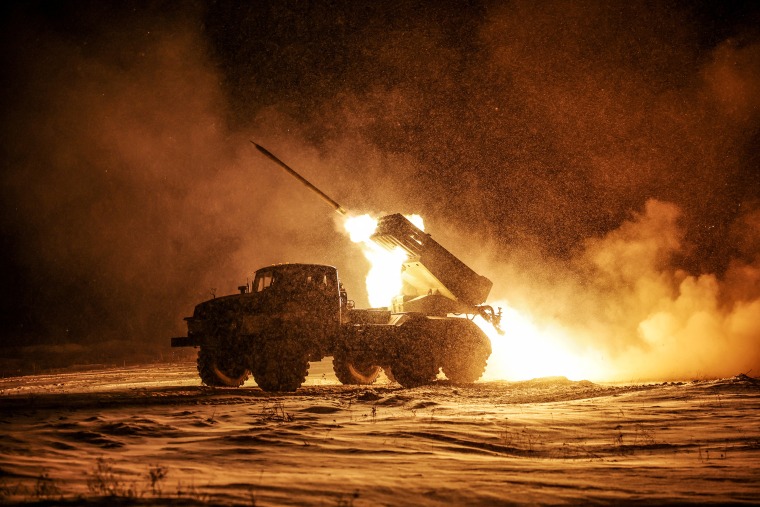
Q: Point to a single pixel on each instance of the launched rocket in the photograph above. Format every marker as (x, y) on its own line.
(337, 207)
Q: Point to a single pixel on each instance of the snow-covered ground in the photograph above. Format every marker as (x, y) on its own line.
(152, 435)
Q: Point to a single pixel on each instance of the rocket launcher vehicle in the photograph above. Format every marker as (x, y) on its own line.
(434, 281)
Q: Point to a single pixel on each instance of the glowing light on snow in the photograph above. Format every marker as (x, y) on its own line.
(384, 277)
(528, 350)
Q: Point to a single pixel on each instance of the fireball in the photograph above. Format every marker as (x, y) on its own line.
(384, 277)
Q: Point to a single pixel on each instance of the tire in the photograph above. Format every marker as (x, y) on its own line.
(414, 364)
(351, 371)
(280, 364)
(467, 349)
(218, 369)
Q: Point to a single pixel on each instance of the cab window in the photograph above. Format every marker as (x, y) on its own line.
(263, 280)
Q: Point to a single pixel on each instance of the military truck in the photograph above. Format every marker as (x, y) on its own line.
(293, 314)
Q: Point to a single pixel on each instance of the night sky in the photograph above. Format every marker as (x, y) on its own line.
(534, 138)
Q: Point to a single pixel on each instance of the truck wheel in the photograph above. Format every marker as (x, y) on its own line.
(217, 369)
(414, 364)
(280, 366)
(412, 371)
(467, 352)
(353, 372)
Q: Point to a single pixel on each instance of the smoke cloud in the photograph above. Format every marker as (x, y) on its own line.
(598, 162)
(126, 199)
(621, 302)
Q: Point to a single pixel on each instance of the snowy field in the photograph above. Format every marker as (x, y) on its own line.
(152, 435)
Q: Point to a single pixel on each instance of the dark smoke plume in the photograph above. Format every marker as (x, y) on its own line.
(568, 137)
(126, 199)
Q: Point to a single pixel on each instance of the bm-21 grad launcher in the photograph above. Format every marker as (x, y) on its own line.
(297, 313)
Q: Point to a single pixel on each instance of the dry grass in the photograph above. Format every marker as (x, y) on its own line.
(103, 481)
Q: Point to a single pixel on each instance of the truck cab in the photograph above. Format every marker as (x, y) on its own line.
(313, 285)
(302, 291)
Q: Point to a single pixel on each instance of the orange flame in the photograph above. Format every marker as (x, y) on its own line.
(384, 277)
(528, 350)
